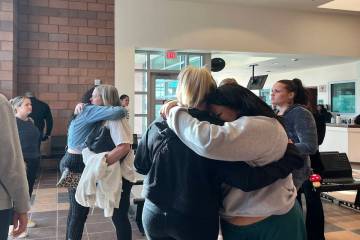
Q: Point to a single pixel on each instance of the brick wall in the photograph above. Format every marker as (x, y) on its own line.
(7, 53)
(63, 45)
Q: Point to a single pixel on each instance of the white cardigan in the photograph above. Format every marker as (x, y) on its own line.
(100, 185)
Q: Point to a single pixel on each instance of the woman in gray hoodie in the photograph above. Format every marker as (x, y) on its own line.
(290, 98)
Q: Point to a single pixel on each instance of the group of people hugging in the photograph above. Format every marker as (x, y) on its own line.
(222, 153)
(216, 157)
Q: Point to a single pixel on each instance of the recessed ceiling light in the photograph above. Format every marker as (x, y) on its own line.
(294, 59)
(347, 5)
(275, 63)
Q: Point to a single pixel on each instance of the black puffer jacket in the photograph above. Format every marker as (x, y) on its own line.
(178, 179)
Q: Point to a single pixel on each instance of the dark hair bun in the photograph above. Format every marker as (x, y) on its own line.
(301, 94)
(297, 82)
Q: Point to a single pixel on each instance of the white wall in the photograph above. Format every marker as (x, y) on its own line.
(211, 26)
(324, 76)
(311, 77)
(225, 27)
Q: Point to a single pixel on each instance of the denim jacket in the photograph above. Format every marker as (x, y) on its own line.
(81, 125)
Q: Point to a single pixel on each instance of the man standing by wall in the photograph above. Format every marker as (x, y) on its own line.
(40, 114)
(14, 192)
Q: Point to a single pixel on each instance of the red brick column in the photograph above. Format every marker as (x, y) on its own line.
(63, 46)
(7, 51)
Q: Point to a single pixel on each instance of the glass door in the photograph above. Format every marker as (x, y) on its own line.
(163, 88)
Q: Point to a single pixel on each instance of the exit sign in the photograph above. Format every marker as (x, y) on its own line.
(170, 55)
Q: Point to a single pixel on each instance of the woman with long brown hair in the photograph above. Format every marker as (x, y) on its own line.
(290, 98)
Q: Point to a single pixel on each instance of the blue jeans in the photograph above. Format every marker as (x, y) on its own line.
(169, 225)
(5, 220)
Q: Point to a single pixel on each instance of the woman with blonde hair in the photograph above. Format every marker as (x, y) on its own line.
(182, 189)
(117, 146)
(30, 139)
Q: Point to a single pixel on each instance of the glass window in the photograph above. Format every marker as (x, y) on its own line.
(343, 97)
(175, 63)
(140, 103)
(157, 61)
(165, 89)
(157, 110)
(140, 61)
(265, 96)
(195, 61)
(151, 93)
(140, 81)
(140, 124)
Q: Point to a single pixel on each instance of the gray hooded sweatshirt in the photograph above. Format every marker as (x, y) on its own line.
(14, 191)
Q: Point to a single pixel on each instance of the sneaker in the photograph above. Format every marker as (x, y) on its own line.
(31, 224)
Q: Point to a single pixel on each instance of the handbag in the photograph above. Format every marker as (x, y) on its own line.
(99, 140)
(69, 179)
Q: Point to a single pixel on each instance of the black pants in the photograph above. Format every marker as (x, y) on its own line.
(314, 211)
(78, 215)
(5, 221)
(32, 167)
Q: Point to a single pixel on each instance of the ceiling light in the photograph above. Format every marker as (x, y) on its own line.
(294, 59)
(275, 63)
(347, 5)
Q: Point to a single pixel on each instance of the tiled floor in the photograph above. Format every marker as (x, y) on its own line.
(49, 211)
(50, 204)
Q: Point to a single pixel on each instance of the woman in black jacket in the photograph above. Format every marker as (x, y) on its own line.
(182, 189)
(30, 138)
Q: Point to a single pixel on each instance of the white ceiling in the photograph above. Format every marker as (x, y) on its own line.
(275, 63)
(303, 5)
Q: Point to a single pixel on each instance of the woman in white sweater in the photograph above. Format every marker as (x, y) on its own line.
(252, 133)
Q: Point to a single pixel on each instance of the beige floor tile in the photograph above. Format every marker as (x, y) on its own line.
(348, 218)
(348, 225)
(46, 207)
(342, 235)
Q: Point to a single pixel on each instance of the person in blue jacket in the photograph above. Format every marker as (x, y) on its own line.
(79, 128)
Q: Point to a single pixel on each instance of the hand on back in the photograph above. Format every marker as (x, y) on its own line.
(79, 107)
(165, 109)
